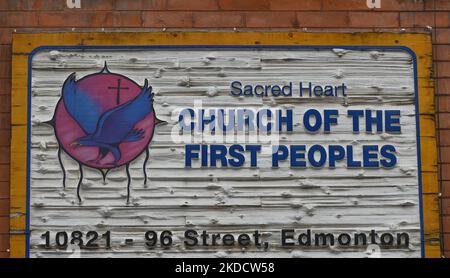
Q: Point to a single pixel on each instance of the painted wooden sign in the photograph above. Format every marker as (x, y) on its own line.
(223, 145)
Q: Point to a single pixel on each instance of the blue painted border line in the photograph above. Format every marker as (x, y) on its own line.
(196, 47)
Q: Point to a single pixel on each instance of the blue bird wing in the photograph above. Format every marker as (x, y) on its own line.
(117, 125)
(83, 109)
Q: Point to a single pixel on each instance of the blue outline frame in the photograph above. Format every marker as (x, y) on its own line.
(174, 47)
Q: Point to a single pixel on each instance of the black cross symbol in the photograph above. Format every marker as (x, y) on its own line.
(118, 88)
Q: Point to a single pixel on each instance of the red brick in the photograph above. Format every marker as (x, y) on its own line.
(445, 174)
(4, 242)
(4, 155)
(443, 5)
(4, 172)
(4, 189)
(248, 5)
(4, 222)
(444, 120)
(43, 5)
(11, 5)
(442, 52)
(95, 5)
(323, 19)
(447, 236)
(445, 188)
(141, 5)
(443, 36)
(445, 205)
(127, 19)
(5, 103)
(167, 19)
(5, 54)
(445, 154)
(443, 103)
(443, 69)
(5, 137)
(192, 5)
(5, 86)
(386, 5)
(348, 5)
(4, 211)
(443, 86)
(18, 19)
(423, 19)
(5, 121)
(5, 69)
(374, 19)
(446, 224)
(5, 36)
(293, 5)
(4, 255)
(218, 19)
(271, 19)
(83, 19)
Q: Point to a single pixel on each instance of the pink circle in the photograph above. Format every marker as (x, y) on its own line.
(67, 130)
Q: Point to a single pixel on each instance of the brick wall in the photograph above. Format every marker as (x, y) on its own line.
(314, 15)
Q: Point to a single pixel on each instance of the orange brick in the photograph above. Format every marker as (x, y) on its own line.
(167, 19)
(443, 69)
(141, 5)
(191, 5)
(218, 19)
(294, 5)
(374, 19)
(323, 19)
(271, 19)
(248, 5)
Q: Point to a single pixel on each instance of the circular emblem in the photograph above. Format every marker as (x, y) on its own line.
(104, 120)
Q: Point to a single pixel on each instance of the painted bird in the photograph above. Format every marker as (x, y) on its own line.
(109, 129)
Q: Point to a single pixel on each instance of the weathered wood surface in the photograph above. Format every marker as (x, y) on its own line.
(231, 200)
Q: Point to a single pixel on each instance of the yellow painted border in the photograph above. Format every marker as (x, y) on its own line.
(24, 44)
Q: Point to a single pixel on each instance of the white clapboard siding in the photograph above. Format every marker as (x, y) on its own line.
(230, 200)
